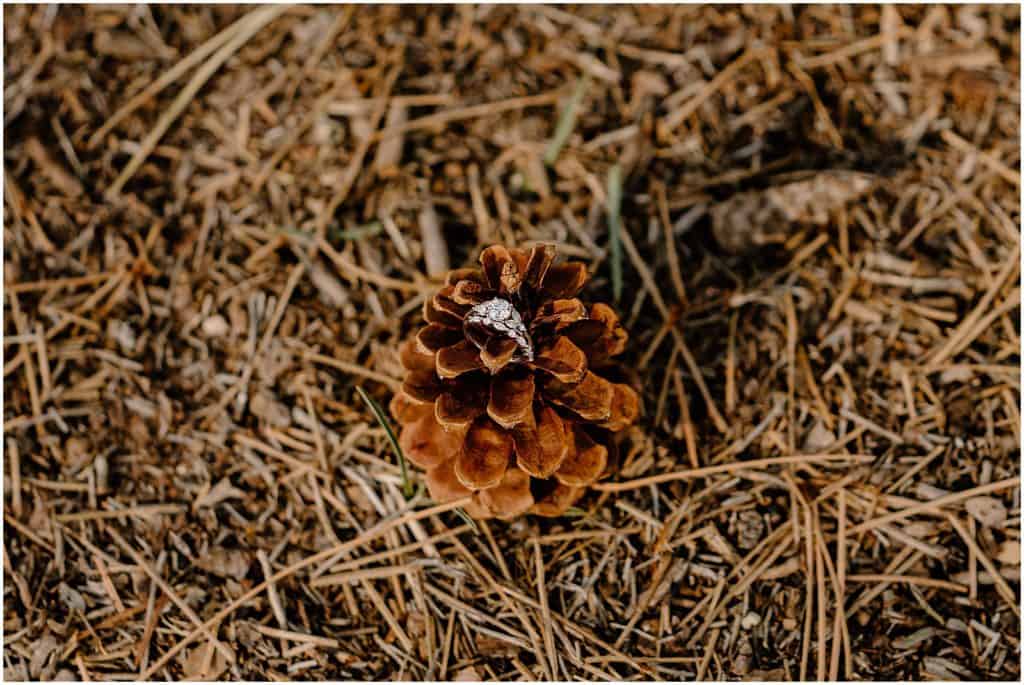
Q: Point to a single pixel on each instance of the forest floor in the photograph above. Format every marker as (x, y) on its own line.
(220, 221)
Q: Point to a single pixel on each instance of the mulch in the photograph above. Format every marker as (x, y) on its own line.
(219, 222)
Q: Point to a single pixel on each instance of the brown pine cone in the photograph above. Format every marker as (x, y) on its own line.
(505, 397)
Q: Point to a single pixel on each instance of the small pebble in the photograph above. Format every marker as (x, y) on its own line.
(215, 326)
(751, 620)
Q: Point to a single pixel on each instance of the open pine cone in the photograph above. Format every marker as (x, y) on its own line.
(505, 396)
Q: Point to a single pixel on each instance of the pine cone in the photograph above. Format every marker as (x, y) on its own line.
(505, 396)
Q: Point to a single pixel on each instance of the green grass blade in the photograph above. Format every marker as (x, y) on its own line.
(356, 232)
(383, 421)
(460, 512)
(566, 121)
(614, 226)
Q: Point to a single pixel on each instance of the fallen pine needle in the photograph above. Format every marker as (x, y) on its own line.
(691, 474)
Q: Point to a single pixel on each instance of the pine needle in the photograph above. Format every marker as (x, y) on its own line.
(566, 121)
(383, 421)
(614, 226)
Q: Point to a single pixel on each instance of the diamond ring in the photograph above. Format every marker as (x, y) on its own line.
(501, 317)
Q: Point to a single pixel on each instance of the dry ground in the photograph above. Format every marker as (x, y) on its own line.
(212, 238)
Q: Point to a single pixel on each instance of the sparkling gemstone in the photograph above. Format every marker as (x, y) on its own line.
(501, 317)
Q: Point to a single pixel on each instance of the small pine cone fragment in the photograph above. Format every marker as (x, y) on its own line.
(748, 221)
(509, 394)
(750, 529)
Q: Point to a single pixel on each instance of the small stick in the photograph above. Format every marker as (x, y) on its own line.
(691, 474)
(353, 369)
(169, 77)
(321, 451)
(709, 649)
(44, 363)
(351, 272)
(967, 329)
(1001, 585)
(142, 649)
(471, 112)
(389, 616)
(872, 426)
(652, 288)
(698, 378)
(108, 584)
(82, 670)
(355, 165)
(360, 575)
(822, 113)
(1008, 174)
(972, 562)
(169, 591)
(820, 575)
(791, 334)
(812, 384)
(730, 366)
(576, 630)
(275, 600)
(341, 548)
(30, 376)
(936, 504)
(641, 606)
(670, 243)
(27, 532)
(294, 636)
(874, 42)
(674, 119)
(545, 611)
(241, 32)
(912, 580)
(805, 646)
(688, 432)
(839, 617)
(142, 510)
(841, 543)
(13, 455)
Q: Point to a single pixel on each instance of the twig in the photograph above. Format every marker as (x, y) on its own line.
(371, 534)
(936, 504)
(240, 34)
(691, 474)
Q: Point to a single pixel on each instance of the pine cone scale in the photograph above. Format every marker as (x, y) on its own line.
(497, 354)
(435, 337)
(563, 360)
(426, 443)
(484, 456)
(457, 359)
(590, 399)
(422, 386)
(443, 484)
(585, 461)
(563, 281)
(511, 399)
(541, 445)
(511, 497)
